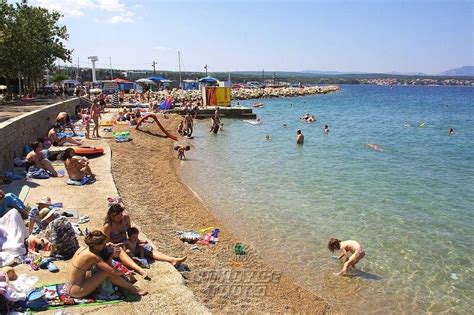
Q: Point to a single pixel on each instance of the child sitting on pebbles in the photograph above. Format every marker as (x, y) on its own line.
(141, 252)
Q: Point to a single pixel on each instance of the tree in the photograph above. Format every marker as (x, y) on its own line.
(57, 78)
(30, 41)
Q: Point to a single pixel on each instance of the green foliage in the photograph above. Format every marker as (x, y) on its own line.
(57, 78)
(30, 40)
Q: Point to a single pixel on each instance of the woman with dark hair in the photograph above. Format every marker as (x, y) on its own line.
(91, 266)
(77, 167)
(116, 225)
(58, 139)
(37, 158)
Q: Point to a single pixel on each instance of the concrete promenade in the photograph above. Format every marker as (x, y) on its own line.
(167, 291)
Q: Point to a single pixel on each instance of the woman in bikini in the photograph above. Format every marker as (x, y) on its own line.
(95, 115)
(77, 167)
(58, 140)
(115, 228)
(351, 253)
(90, 267)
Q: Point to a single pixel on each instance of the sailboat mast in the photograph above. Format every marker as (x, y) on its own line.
(179, 62)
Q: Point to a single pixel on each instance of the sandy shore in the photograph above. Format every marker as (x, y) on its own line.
(145, 174)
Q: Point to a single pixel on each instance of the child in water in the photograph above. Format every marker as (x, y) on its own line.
(350, 260)
(181, 150)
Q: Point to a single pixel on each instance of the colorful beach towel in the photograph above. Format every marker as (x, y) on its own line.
(56, 297)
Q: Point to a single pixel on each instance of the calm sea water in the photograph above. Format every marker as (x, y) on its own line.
(411, 206)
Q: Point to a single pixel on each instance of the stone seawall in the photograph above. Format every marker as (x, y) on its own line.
(21, 130)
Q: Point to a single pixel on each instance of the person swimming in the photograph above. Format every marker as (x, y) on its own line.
(326, 129)
(451, 131)
(375, 147)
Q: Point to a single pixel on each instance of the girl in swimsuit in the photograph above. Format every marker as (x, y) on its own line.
(350, 260)
(88, 270)
(115, 228)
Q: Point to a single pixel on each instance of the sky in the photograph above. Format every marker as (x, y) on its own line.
(349, 36)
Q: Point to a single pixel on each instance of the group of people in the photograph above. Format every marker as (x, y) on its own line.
(130, 115)
(308, 118)
(50, 234)
(186, 126)
(42, 227)
(117, 241)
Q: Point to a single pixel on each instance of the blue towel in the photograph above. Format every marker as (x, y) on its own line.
(87, 180)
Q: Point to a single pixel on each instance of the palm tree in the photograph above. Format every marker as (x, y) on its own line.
(57, 78)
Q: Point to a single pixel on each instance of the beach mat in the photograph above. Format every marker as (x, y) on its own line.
(56, 298)
(24, 193)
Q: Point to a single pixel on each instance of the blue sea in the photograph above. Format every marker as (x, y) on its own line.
(411, 206)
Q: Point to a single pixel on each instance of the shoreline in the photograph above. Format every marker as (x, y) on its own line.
(219, 278)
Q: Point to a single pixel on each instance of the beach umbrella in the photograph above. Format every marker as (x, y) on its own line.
(157, 78)
(208, 79)
(146, 81)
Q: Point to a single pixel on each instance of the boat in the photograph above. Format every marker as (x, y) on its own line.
(258, 105)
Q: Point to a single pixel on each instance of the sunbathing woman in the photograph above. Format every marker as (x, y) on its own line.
(90, 267)
(116, 225)
(77, 167)
(37, 158)
(58, 140)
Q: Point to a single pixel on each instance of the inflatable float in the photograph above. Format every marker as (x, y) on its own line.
(106, 123)
(88, 151)
(153, 116)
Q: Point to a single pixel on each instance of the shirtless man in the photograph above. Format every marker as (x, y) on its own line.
(37, 158)
(299, 137)
(77, 167)
(64, 120)
(59, 141)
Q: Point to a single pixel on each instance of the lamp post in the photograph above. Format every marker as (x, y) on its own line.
(93, 59)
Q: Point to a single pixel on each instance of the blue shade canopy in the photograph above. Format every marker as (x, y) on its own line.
(157, 78)
(208, 79)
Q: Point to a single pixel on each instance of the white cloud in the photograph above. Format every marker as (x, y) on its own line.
(119, 19)
(78, 8)
(111, 5)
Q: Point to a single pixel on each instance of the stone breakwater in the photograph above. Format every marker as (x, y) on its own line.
(245, 94)
(180, 96)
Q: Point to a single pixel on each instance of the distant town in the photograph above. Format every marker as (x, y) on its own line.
(271, 78)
